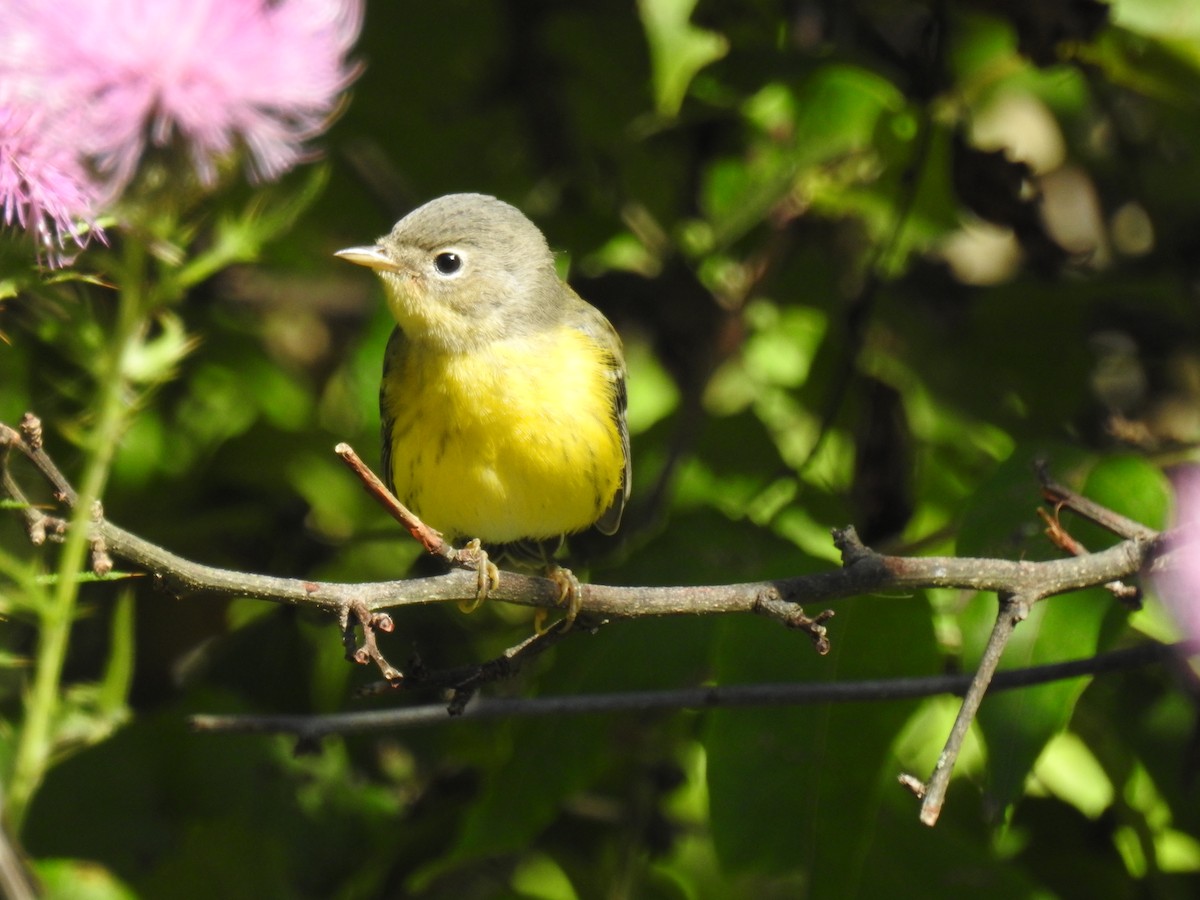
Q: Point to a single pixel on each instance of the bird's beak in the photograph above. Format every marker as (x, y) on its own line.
(371, 257)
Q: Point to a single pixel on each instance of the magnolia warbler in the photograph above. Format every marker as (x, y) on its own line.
(503, 396)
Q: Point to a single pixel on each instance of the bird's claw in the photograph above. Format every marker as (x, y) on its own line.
(570, 595)
(487, 575)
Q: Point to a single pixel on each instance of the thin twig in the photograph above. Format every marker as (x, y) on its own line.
(465, 681)
(1013, 609)
(473, 556)
(1065, 498)
(1128, 594)
(695, 698)
(429, 538)
(368, 651)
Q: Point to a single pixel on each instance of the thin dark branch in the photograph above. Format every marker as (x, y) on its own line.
(464, 681)
(1064, 498)
(695, 698)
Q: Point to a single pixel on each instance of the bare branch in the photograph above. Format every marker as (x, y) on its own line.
(696, 698)
(1013, 609)
(864, 571)
(1019, 584)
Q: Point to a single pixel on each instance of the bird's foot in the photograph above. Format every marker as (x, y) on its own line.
(570, 595)
(487, 575)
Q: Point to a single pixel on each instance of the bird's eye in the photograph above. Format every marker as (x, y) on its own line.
(447, 263)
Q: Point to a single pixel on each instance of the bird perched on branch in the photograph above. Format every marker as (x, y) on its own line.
(503, 394)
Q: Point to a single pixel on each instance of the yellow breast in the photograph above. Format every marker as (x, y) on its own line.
(510, 441)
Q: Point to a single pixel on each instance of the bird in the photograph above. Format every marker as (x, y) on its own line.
(503, 397)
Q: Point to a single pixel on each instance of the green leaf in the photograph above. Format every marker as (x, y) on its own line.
(678, 49)
(1132, 487)
(536, 766)
(1177, 19)
(113, 691)
(522, 793)
(656, 396)
(796, 787)
(839, 109)
(1001, 518)
(1164, 69)
(152, 361)
(80, 879)
(908, 859)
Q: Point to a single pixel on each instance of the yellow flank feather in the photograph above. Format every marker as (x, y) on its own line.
(514, 439)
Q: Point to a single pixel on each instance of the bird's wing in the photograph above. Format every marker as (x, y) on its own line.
(591, 322)
(393, 358)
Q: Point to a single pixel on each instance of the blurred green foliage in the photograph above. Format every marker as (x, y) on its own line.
(842, 305)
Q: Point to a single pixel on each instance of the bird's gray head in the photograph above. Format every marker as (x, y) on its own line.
(465, 268)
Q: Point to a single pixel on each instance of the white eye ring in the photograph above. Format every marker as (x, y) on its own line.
(449, 263)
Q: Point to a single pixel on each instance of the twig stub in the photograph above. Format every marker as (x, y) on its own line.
(368, 651)
(31, 429)
(791, 615)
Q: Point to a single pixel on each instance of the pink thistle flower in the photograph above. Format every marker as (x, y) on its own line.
(44, 187)
(1179, 585)
(219, 74)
